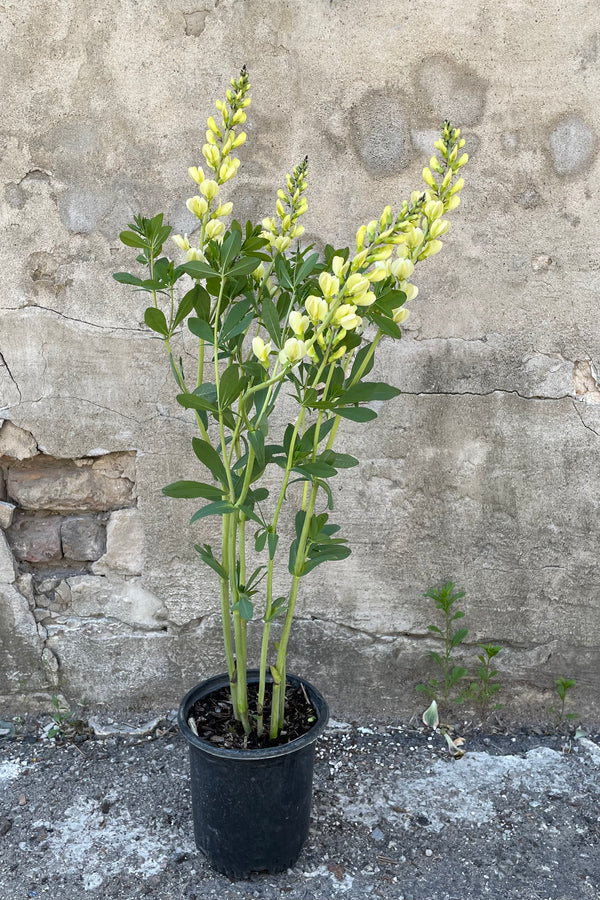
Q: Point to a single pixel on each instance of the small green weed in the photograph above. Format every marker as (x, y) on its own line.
(483, 690)
(62, 718)
(444, 599)
(563, 686)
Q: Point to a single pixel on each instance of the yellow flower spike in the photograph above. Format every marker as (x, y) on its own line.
(299, 323)
(452, 203)
(414, 238)
(197, 174)
(400, 315)
(366, 299)
(261, 350)
(292, 353)
(239, 140)
(439, 227)
(181, 241)
(197, 206)
(360, 238)
(458, 186)
(428, 178)
(402, 269)
(209, 188)
(329, 284)
(259, 272)
(316, 308)
(431, 249)
(356, 284)
(214, 229)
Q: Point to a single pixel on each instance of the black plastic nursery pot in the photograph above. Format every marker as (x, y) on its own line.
(251, 807)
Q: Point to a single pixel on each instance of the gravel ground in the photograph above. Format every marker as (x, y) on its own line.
(394, 816)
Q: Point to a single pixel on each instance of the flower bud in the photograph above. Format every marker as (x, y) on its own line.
(452, 203)
(402, 269)
(439, 227)
(360, 238)
(239, 140)
(261, 350)
(456, 187)
(194, 253)
(224, 209)
(414, 238)
(359, 260)
(433, 209)
(356, 284)
(431, 249)
(196, 174)
(211, 155)
(238, 118)
(428, 178)
(366, 299)
(259, 272)
(372, 229)
(338, 267)
(316, 308)
(213, 126)
(181, 242)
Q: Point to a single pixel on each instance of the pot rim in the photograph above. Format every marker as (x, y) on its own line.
(209, 685)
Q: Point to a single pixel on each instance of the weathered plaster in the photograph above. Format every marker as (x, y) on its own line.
(483, 471)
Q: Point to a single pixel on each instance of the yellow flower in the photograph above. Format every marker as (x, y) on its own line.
(259, 273)
(316, 308)
(338, 266)
(194, 253)
(428, 178)
(379, 272)
(197, 205)
(261, 350)
(400, 315)
(224, 209)
(209, 188)
(196, 174)
(239, 140)
(452, 203)
(411, 291)
(414, 238)
(337, 353)
(356, 284)
(228, 169)
(292, 353)
(299, 323)
(345, 316)
(360, 238)
(211, 155)
(214, 229)
(431, 249)
(213, 126)
(402, 269)
(365, 299)
(181, 241)
(439, 227)
(329, 284)
(433, 209)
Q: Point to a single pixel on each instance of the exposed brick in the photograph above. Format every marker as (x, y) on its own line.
(97, 484)
(83, 538)
(35, 539)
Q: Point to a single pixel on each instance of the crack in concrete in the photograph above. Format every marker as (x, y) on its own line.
(35, 170)
(515, 393)
(10, 375)
(585, 425)
(56, 312)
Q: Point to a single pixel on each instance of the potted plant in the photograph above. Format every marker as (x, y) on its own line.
(272, 318)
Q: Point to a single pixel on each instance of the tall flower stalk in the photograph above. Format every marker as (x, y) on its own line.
(268, 313)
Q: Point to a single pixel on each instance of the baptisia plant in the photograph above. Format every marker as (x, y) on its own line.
(272, 317)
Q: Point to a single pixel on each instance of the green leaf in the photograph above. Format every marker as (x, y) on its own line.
(270, 318)
(220, 508)
(283, 272)
(126, 278)
(155, 319)
(366, 391)
(244, 267)
(193, 401)
(357, 413)
(187, 304)
(230, 386)
(386, 325)
(198, 269)
(277, 608)
(341, 460)
(390, 301)
(257, 442)
(207, 454)
(458, 636)
(230, 248)
(201, 329)
(260, 540)
(333, 553)
(359, 361)
(315, 470)
(456, 674)
(307, 267)
(434, 628)
(236, 313)
(244, 607)
(131, 239)
(207, 557)
(273, 540)
(193, 489)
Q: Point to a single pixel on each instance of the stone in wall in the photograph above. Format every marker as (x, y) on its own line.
(124, 544)
(16, 442)
(20, 644)
(7, 565)
(115, 598)
(105, 483)
(34, 539)
(6, 514)
(83, 538)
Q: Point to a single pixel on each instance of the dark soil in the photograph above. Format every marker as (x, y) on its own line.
(214, 719)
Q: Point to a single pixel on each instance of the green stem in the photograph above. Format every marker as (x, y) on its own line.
(226, 622)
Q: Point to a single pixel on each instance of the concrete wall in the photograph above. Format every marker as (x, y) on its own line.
(486, 471)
